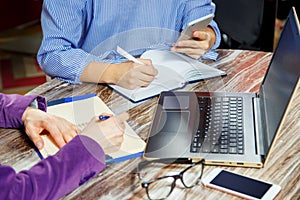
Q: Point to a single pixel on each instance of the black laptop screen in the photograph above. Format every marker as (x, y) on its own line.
(282, 75)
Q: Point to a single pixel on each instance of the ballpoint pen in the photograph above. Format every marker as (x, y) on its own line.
(128, 56)
(103, 117)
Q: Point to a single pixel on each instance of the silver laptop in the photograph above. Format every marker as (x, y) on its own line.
(237, 129)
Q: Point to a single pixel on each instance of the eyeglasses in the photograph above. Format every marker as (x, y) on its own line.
(159, 184)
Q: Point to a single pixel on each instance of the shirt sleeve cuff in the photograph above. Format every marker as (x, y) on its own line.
(15, 105)
(210, 55)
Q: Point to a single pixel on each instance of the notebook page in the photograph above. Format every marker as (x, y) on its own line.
(80, 113)
(189, 68)
(164, 81)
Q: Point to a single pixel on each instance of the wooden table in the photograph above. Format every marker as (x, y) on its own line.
(245, 71)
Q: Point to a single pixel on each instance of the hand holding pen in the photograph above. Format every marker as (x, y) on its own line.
(107, 130)
(134, 73)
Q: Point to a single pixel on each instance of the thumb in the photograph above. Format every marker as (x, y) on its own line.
(201, 35)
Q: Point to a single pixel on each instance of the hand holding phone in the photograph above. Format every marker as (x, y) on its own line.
(198, 24)
(240, 185)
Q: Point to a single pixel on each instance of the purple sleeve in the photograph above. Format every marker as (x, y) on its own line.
(12, 107)
(56, 175)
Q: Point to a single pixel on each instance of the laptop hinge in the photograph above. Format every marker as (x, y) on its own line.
(259, 123)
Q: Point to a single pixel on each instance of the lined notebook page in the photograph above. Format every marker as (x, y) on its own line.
(80, 112)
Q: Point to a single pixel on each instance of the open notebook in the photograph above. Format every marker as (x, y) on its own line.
(175, 70)
(79, 111)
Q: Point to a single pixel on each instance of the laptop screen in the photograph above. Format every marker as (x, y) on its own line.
(282, 75)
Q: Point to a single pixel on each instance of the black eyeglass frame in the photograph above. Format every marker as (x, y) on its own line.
(145, 184)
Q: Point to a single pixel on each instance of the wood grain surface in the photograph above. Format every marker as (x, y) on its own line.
(245, 71)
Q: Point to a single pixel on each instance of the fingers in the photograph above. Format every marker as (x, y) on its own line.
(138, 75)
(145, 61)
(142, 80)
(191, 48)
(144, 75)
(195, 47)
(56, 134)
(201, 35)
(147, 69)
(108, 133)
(35, 138)
(192, 52)
(114, 126)
(61, 130)
(37, 121)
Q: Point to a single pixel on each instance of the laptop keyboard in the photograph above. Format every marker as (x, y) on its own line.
(220, 126)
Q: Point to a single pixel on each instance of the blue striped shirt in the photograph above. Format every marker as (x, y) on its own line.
(77, 32)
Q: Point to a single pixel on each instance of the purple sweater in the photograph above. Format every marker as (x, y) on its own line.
(54, 176)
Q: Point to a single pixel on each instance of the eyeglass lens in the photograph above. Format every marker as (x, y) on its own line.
(192, 175)
(160, 186)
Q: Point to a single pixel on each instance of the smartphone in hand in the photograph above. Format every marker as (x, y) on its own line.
(239, 185)
(195, 25)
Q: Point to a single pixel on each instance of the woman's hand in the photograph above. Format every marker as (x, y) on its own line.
(108, 133)
(198, 45)
(130, 75)
(37, 122)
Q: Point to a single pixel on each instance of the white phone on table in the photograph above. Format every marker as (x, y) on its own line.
(240, 185)
(197, 24)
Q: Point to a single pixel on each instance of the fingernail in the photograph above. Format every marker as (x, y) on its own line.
(38, 145)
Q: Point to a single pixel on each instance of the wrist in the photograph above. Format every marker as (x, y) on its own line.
(87, 134)
(111, 74)
(92, 147)
(97, 72)
(26, 113)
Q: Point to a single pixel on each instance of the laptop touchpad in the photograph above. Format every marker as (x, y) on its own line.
(174, 121)
(176, 102)
(171, 137)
